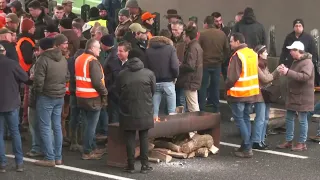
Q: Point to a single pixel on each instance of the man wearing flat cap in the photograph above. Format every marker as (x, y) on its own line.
(135, 11)
(12, 22)
(67, 5)
(16, 7)
(6, 42)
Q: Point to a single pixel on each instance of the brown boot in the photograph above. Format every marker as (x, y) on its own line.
(100, 151)
(285, 145)
(315, 138)
(58, 162)
(45, 163)
(91, 156)
(300, 147)
(244, 154)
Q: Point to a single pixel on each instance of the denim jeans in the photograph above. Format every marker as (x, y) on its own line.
(34, 130)
(113, 111)
(49, 118)
(102, 126)
(181, 98)
(167, 89)
(90, 121)
(303, 120)
(260, 122)
(316, 111)
(12, 120)
(212, 75)
(240, 112)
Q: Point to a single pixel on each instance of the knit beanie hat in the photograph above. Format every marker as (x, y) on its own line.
(26, 25)
(132, 4)
(60, 39)
(124, 12)
(107, 40)
(66, 23)
(298, 21)
(94, 12)
(46, 43)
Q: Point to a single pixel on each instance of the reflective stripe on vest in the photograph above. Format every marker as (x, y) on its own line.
(67, 88)
(103, 23)
(84, 88)
(248, 83)
(22, 63)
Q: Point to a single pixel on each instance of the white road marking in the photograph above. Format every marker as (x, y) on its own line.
(268, 151)
(85, 171)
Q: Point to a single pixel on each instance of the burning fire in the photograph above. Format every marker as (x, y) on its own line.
(157, 119)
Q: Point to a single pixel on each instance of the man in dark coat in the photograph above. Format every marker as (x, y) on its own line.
(136, 86)
(252, 30)
(11, 75)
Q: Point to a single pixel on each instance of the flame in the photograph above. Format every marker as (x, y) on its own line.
(157, 119)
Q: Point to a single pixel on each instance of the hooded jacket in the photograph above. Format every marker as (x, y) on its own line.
(161, 58)
(252, 30)
(51, 74)
(136, 86)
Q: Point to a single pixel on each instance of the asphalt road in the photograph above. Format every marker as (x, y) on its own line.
(264, 165)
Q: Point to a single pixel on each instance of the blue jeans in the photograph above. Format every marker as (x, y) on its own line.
(90, 120)
(12, 120)
(260, 122)
(75, 118)
(241, 115)
(303, 120)
(49, 118)
(102, 126)
(181, 98)
(34, 130)
(212, 74)
(316, 111)
(167, 89)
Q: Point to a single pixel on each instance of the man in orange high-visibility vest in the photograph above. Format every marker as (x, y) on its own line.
(242, 86)
(91, 95)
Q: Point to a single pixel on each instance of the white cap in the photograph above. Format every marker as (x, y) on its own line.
(296, 45)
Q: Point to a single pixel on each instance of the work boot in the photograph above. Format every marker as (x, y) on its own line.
(244, 154)
(299, 147)
(75, 147)
(3, 169)
(100, 151)
(285, 145)
(34, 154)
(145, 169)
(129, 169)
(259, 147)
(91, 156)
(315, 138)
(19, 168)
(45, 163)
(58, 162)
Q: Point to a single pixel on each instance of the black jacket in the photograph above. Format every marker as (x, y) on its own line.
(11, 51)
(71, 16)
(137, 45)
(11, 75)
(161, 58)
(51, 74)
(71, 63)
(252, 30)
(26, 48)
(41, 23)
(136, 86)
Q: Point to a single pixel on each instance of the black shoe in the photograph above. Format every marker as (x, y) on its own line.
(19, 168)
(145, 169)
(258, 146)
(264, 144)
(129, 169)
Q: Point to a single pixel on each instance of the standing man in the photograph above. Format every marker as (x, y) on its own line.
(11, 75)
(124, 23)
(136, 86)
(12, 22)
(50, 77)
(242, 86)
(91, 96)
(135, 11)
(65, 28)
(148, 21)
(218, 23)
(67, 5)
(212, 60)
(104, 15)
(190, 76)
(58, 15)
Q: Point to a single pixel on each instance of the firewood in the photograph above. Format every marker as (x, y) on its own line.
(154, 160)
(158, 155)
(213, 149)
(178, 155)
(137, 152)
(162, 150)
(202, 152)
(191, 155)
(197, 142)
(167, 145)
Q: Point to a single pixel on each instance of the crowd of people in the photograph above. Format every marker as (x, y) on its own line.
(99, 72)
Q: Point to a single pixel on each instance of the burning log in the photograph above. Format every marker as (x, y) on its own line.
(191, 155)
(137, 152)
(167, 145)
(202, 152)
(178, 155)
(158, 155)
(154, 160)
(197, 142)
(162, 150)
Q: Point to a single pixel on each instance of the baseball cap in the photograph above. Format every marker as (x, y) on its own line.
(66, 1)
(296, 45)
(136, 27)
(147, 15)
(5, 31)
(16, 4)
(12, 17)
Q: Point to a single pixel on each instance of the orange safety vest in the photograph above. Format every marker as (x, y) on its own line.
(84, 88)
(149, 35)
(248, 83)
(22, 63)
